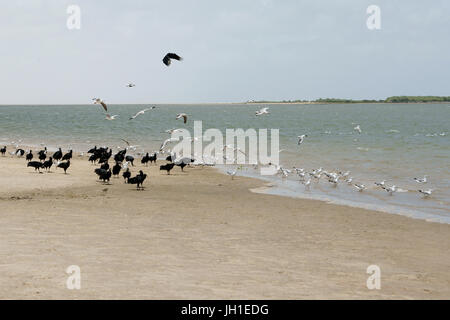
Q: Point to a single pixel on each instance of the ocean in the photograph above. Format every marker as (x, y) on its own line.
(398, 142)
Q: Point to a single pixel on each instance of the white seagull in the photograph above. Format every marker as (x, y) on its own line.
(231, 173)
(423, 180)
(426, 193)
(110, 117)
(182, 115)
(301, 138)
(390, 190)
(141, 112)
(100, 101)
(380, 184)
(357, 129)
(262, 111)
(360, 187)
(163, 145)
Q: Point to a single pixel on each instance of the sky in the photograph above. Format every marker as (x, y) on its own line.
(234, 50)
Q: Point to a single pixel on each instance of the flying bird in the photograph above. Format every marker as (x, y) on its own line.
(426, 193)
(131, 85)
(182, 115)
(100, 101)
(167, 60)
(301, 138)
(141, 112)
(110, 117)
(423, 180)
(262, 111)
(357, 129)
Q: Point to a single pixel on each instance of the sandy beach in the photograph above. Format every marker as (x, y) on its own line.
(201, 235)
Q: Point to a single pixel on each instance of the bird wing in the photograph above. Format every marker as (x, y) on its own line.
(125, 141)
(174, 56)
(166, 60)
(104, 105)
(184, 118)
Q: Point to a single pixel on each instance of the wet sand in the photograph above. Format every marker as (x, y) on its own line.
(201, 235)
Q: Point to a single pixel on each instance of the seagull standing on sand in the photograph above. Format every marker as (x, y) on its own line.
(182, 115)
(100, 101)
(357, 129)
(167, 60)
(141, 112)
(307, 184)
(262, 111)
(301, 138)
(231, 173)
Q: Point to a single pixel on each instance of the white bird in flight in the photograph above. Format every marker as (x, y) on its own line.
(110, 117)
(423, 180)
(182, 115)
(426, 193)
(164, 144)
(131, 85)
(380, 184)
(390, 190)
(170, 131)
(100, 101)
(262, 111)
(357, 129)
(141, 112)
(301, 138)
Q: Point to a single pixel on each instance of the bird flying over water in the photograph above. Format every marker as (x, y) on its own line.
(262, 111)
(182, 115)
(100, 101)
(357, 129)
(426, 193)
(141, 112)
(423, 180)
(301, 138)
(167, 60)
(110, 117)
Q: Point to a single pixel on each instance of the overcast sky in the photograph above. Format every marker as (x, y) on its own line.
(233, 50)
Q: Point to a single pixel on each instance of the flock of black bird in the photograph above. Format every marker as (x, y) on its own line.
(100, 156)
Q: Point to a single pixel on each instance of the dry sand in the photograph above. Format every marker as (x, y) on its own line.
(201, 235)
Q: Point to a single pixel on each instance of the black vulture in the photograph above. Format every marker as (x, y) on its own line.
(167, 60)
(37, 165)
(167, 167)
(58, 155)
(29, 156)
(64, 165)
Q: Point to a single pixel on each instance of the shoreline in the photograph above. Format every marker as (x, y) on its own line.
(200, 234)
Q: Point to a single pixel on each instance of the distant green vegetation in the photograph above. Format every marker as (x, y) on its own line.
(407, 99)
(394, 99)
